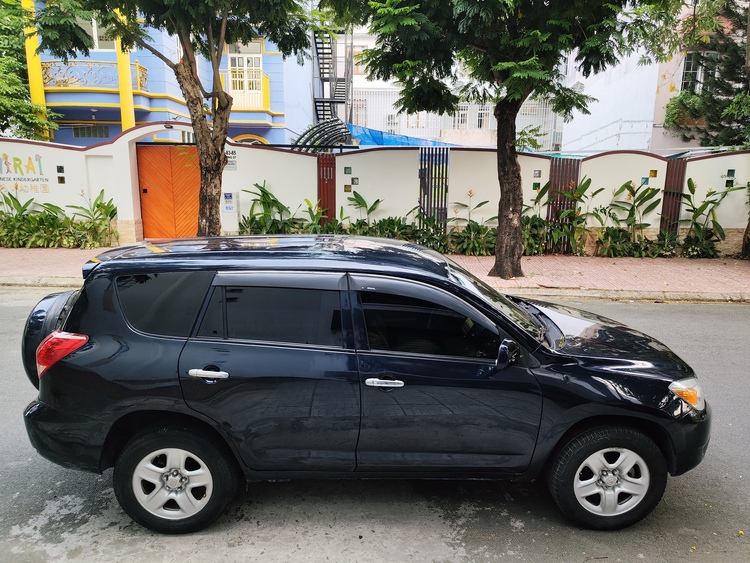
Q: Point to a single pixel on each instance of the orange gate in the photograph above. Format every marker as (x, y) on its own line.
(169, 181)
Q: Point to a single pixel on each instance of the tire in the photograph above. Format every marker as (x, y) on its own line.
(608, 477)
(174, 480)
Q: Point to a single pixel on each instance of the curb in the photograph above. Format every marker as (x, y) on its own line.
(27, 281)
(628, 295)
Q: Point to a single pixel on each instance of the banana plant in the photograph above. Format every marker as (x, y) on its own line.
(360, 203)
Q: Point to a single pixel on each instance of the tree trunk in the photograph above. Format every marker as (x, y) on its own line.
(746, 242)
(508, 247)
(210, 139)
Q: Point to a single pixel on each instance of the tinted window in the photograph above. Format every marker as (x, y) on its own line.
(406, 324)
(272, 314)
(165, 303)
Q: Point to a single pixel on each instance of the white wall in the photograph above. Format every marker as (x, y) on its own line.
(710, 173)
(291, 176)
(622, 117)
(612, 170)
(387, 174)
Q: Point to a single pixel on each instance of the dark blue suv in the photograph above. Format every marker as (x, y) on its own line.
(192, 366)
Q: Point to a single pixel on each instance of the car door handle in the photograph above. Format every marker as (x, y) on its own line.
(207, 374)
(375, 382)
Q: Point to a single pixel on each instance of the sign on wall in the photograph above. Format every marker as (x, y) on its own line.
(24, 173)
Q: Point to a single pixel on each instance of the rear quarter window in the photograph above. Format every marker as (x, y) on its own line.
(164, 303)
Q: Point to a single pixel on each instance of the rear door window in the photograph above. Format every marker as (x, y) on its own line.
(164, 303)
(274, 314)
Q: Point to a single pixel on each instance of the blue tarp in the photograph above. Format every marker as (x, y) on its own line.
(370, 137)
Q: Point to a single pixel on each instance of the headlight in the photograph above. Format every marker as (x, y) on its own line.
(689, 390)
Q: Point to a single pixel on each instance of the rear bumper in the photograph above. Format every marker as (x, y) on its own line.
(62, 437)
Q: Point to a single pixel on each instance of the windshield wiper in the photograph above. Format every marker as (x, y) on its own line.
(536, 315)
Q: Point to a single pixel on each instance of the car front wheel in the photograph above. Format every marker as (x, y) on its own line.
(174, 480)
(608, 477)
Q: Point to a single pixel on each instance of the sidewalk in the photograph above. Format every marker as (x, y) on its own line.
(661, 279)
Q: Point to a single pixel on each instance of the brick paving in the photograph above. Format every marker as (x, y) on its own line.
(723, 279)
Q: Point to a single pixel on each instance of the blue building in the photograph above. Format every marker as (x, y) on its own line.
(107, 92)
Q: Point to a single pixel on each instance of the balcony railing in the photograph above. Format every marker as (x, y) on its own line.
(91, 74)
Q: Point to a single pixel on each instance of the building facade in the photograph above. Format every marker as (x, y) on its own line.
(101, 95)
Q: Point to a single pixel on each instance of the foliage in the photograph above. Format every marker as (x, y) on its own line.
(527, 139)
(473, 239)
(24, 225)
(358, 202)
(639, 202)
(704, 230)
(391, 227)
(573, 221)
(469, 208)
(534, 235)
(503, 52)
(18, 116)
(267, 214)
(712, 106)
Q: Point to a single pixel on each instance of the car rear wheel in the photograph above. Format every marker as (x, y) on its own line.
(174, 480)
(608, 477)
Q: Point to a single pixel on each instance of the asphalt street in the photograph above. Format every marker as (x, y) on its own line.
(54, 514)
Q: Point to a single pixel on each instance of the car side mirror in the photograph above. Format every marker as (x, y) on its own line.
(508, 354)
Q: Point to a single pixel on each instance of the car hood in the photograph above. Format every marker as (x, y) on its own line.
(594, 339)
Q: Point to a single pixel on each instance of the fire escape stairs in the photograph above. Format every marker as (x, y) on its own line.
(333, 89)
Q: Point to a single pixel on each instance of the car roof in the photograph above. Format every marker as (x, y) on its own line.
(279, 252)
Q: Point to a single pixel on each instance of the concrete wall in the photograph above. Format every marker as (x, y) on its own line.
(62, 174)
(612, 169)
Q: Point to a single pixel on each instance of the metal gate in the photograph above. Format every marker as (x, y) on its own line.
(327, 185)
(674, 184)
(564, 177)
(433, 183)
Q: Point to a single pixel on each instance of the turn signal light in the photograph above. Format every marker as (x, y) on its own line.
(55, 347)
(689, 390)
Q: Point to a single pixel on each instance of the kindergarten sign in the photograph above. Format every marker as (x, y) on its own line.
(23, 174)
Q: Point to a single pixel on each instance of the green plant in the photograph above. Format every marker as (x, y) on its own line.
(574, 221)
(95, 224)
(391, 227)
(665, 245)
(639, 202)
(533, 235)
(267, 214)
(473, 240)
(337, 226)
(528, 138)
(315, 215)
(534, 225)
(468, 207)
(704, 230)
(430, 231)
(613, 242)
(14, 221)
(359, 202)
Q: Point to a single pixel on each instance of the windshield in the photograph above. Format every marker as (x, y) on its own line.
(498, 301)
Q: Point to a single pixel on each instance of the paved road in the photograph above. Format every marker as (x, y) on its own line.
(49, 513)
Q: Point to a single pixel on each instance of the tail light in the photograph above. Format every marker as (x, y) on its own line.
(55, 347)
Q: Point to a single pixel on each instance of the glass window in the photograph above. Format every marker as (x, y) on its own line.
(275, 314)
(90, 132)
(405, 324)
(97, 32)
(166, 304)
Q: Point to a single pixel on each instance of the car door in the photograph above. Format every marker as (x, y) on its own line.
(272, 363)
(433, 398)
